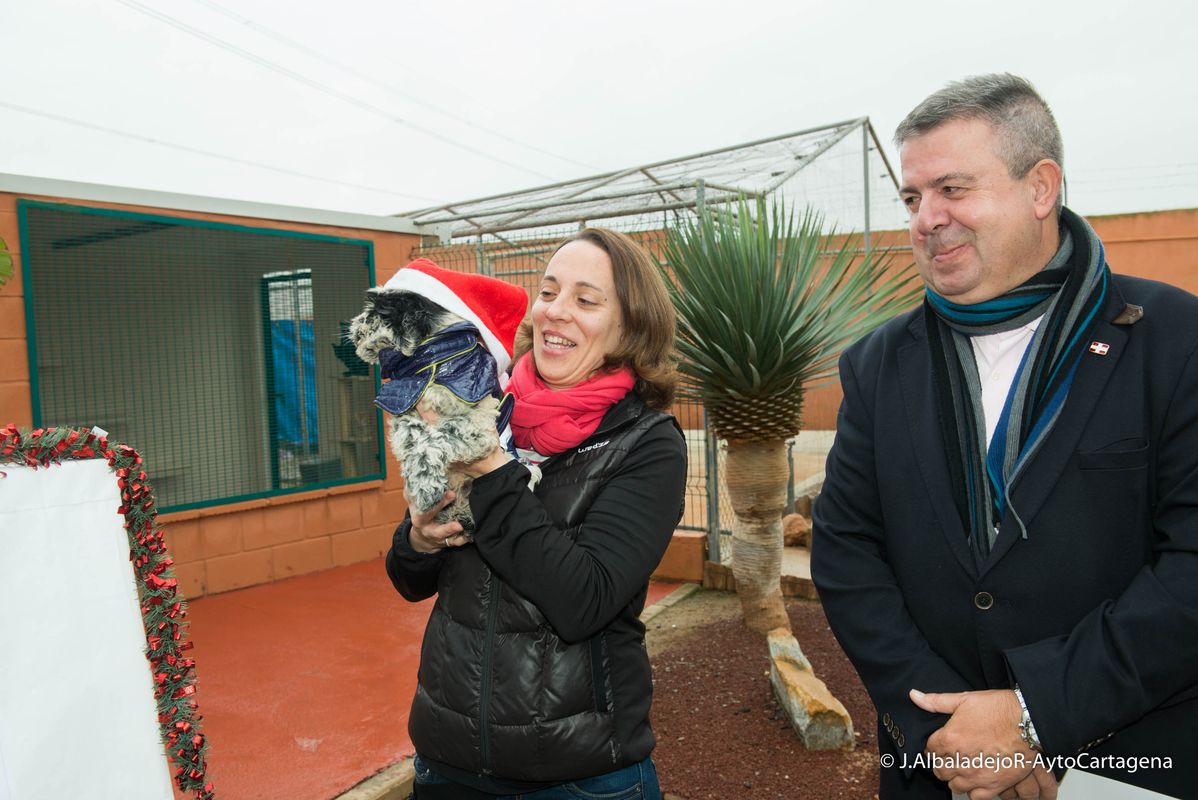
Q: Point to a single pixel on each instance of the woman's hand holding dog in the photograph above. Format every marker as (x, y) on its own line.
(429, 536)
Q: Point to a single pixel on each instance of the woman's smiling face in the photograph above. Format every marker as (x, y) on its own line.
(576, 318)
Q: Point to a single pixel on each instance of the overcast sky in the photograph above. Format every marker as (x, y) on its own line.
(383, 107)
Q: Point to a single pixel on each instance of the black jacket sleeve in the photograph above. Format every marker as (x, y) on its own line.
(413, 574)
(582, 585)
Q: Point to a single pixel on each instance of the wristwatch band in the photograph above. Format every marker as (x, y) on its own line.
(1027, 731)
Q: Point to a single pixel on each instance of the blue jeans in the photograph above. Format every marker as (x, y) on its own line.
(635, 782)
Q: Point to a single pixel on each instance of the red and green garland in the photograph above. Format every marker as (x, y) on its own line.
(162, 607)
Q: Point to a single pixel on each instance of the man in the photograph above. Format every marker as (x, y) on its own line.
(1006, 545)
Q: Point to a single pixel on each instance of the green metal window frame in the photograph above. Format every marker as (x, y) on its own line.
(24, 206)
(268, 354)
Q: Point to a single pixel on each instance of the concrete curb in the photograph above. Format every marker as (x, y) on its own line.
(395, 782)
(681, 593)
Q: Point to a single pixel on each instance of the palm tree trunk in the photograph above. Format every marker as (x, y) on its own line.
(755, 474)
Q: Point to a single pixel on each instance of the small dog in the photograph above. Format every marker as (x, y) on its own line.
(446, 371)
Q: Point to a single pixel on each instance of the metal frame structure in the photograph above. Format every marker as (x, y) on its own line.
(511, 236)
(750, 170)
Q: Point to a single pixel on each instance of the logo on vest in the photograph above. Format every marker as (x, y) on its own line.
(594, 446)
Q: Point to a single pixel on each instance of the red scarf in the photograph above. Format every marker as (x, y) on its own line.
(552, 421)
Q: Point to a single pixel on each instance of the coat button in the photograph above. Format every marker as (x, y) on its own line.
(983, 600)
(886, 721)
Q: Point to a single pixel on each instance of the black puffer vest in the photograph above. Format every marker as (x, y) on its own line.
(499, 692)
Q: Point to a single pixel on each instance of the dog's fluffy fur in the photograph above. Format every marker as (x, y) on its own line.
(461, 433)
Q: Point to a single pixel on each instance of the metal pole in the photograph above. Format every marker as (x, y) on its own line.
(712, 459)
(591, 215)
(301, 378)
(865, 168)
(480, 258)
(711, 444)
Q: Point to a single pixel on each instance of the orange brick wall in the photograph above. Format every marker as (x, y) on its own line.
(229, 547)
(14, 361)
(233, 546)
(1161, 245)
(684, 558)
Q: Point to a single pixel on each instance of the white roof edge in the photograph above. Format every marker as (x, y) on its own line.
(97, 192)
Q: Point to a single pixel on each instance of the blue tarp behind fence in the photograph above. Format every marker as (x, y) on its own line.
(286, 378)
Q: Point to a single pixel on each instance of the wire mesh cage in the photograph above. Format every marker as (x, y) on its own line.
(218, 348)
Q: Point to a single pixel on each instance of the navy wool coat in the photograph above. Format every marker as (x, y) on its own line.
(1094, 614)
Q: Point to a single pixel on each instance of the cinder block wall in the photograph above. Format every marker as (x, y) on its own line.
(229, 547)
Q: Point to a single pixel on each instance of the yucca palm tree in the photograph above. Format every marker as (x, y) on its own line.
(765, 305)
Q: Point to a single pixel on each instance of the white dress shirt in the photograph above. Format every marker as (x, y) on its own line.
(997, 356)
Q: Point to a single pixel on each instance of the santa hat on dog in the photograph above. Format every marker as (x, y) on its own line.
(493, 306)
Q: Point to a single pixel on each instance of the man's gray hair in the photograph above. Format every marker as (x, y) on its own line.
(1023, 122)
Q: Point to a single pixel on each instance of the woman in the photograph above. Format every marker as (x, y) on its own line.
(534, 680)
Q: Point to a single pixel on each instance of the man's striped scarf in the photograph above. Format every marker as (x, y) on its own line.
(1068, 294)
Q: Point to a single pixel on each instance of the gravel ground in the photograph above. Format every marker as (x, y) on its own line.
(721, 734)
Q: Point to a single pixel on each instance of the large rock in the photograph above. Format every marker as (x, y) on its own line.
(798, 586)
(720, 577)
(820, 720)
(805, 493)
(796, 531)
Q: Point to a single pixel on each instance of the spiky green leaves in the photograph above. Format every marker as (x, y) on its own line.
(765, 305)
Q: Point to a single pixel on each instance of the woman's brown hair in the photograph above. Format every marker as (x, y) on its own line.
(647, 343)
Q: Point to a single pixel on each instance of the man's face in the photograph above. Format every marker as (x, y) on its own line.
(976, 231)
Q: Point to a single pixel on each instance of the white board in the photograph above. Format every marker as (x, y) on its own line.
(1078, 785)
(77, 712)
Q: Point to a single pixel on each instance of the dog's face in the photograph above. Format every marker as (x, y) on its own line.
(397, 321)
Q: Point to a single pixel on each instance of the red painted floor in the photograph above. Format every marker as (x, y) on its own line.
(305, 684)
